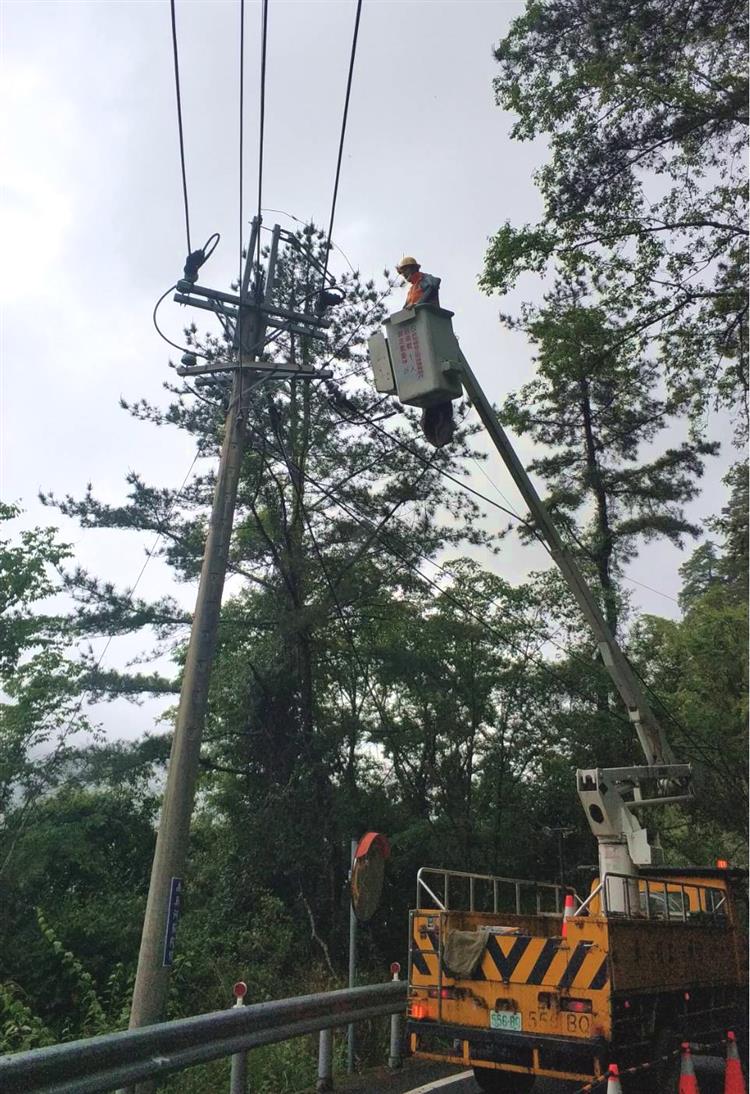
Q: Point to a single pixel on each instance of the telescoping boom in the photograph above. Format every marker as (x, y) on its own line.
(419, 360)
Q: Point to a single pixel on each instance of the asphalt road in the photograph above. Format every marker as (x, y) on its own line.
(426, 1077)
(709, 1072)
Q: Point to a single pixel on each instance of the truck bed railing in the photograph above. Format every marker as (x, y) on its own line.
(626, 896)
(461, 891)
(619, 895)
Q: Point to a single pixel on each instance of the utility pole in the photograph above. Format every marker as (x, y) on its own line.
(254, 312)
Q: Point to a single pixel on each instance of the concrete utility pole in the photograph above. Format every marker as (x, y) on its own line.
(253, 314)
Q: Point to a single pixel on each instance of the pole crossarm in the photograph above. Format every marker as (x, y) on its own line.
(284, 371)
(114, 1060)
(189, 289)
(233, 313)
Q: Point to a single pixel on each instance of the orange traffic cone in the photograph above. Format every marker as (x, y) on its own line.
(688, 1081)
(733, 1080)
(567, 913)
(614, 1086)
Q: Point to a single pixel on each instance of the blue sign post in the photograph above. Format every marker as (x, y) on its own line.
(173, 916)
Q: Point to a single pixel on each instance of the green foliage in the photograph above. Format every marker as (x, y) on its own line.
(25, 579)
(594, 409)
(348, 693)
(20, 1027)
(644, 110)
(701, 663)
(40, 709)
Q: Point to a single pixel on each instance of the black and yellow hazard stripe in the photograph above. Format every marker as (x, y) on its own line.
(544, 962)
(522, 959)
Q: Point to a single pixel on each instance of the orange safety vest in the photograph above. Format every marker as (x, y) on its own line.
(421, 285)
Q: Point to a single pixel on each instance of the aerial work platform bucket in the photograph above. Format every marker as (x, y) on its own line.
(419, 358)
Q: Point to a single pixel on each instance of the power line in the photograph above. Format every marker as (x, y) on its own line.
(397, 442)
(264, 40)
(428, 463)
(509, 512)
(334, 595)
(242, 129)
(298, 220)
(341, 140)
(367, 521)
(179, 123)
(547, 638)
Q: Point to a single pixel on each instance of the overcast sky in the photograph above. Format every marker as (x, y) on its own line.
(94, 224)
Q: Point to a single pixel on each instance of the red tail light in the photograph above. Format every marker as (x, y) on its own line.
(577, 1006)
(445, 993)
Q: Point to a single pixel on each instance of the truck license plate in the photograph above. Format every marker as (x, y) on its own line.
(505, 1019)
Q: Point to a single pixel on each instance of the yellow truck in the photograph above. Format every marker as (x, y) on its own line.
(501, 980)
(512, 977)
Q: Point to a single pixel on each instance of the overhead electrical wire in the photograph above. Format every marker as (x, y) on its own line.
(262, 120)
(398, 443)
(509, 512)
(366, 521)
(369, 423)
(298, 220)
(549, 638)
(341, 139)
(179, 123)
(161, 333)
(332, 587)
(490, 501)
(242, 134)
(545, 637)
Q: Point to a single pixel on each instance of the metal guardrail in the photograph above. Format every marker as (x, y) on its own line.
(116, 1060)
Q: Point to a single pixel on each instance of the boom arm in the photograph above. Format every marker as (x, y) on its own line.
(650, 733)
(422, 362)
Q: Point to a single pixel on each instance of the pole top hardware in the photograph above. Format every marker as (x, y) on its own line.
(283, 371)
(248, 301)
(196, 259)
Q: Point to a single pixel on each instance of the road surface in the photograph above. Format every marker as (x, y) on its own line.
(709, 1072)
(424, 1077)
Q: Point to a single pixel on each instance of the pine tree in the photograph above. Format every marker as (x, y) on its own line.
(331, 502)
(594, 406)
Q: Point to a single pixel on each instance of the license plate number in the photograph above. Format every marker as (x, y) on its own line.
(505, 1019)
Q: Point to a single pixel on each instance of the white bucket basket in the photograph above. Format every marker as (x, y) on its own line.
(419, 357)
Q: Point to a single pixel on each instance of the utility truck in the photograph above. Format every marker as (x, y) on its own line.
(518, 978)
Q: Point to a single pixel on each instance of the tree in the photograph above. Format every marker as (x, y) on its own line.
(594, 409)
(700, 663)
(645, 111)
(321, 485)
(41, 681)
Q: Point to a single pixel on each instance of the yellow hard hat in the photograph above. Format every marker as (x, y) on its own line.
(407, 260)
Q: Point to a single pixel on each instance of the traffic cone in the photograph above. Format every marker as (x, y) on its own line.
(567, 913)
(734, 1083)
(614, 1086)
(688, 1081)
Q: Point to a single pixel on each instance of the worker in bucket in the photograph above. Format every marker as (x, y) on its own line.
(437, 421)
(423, 287)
